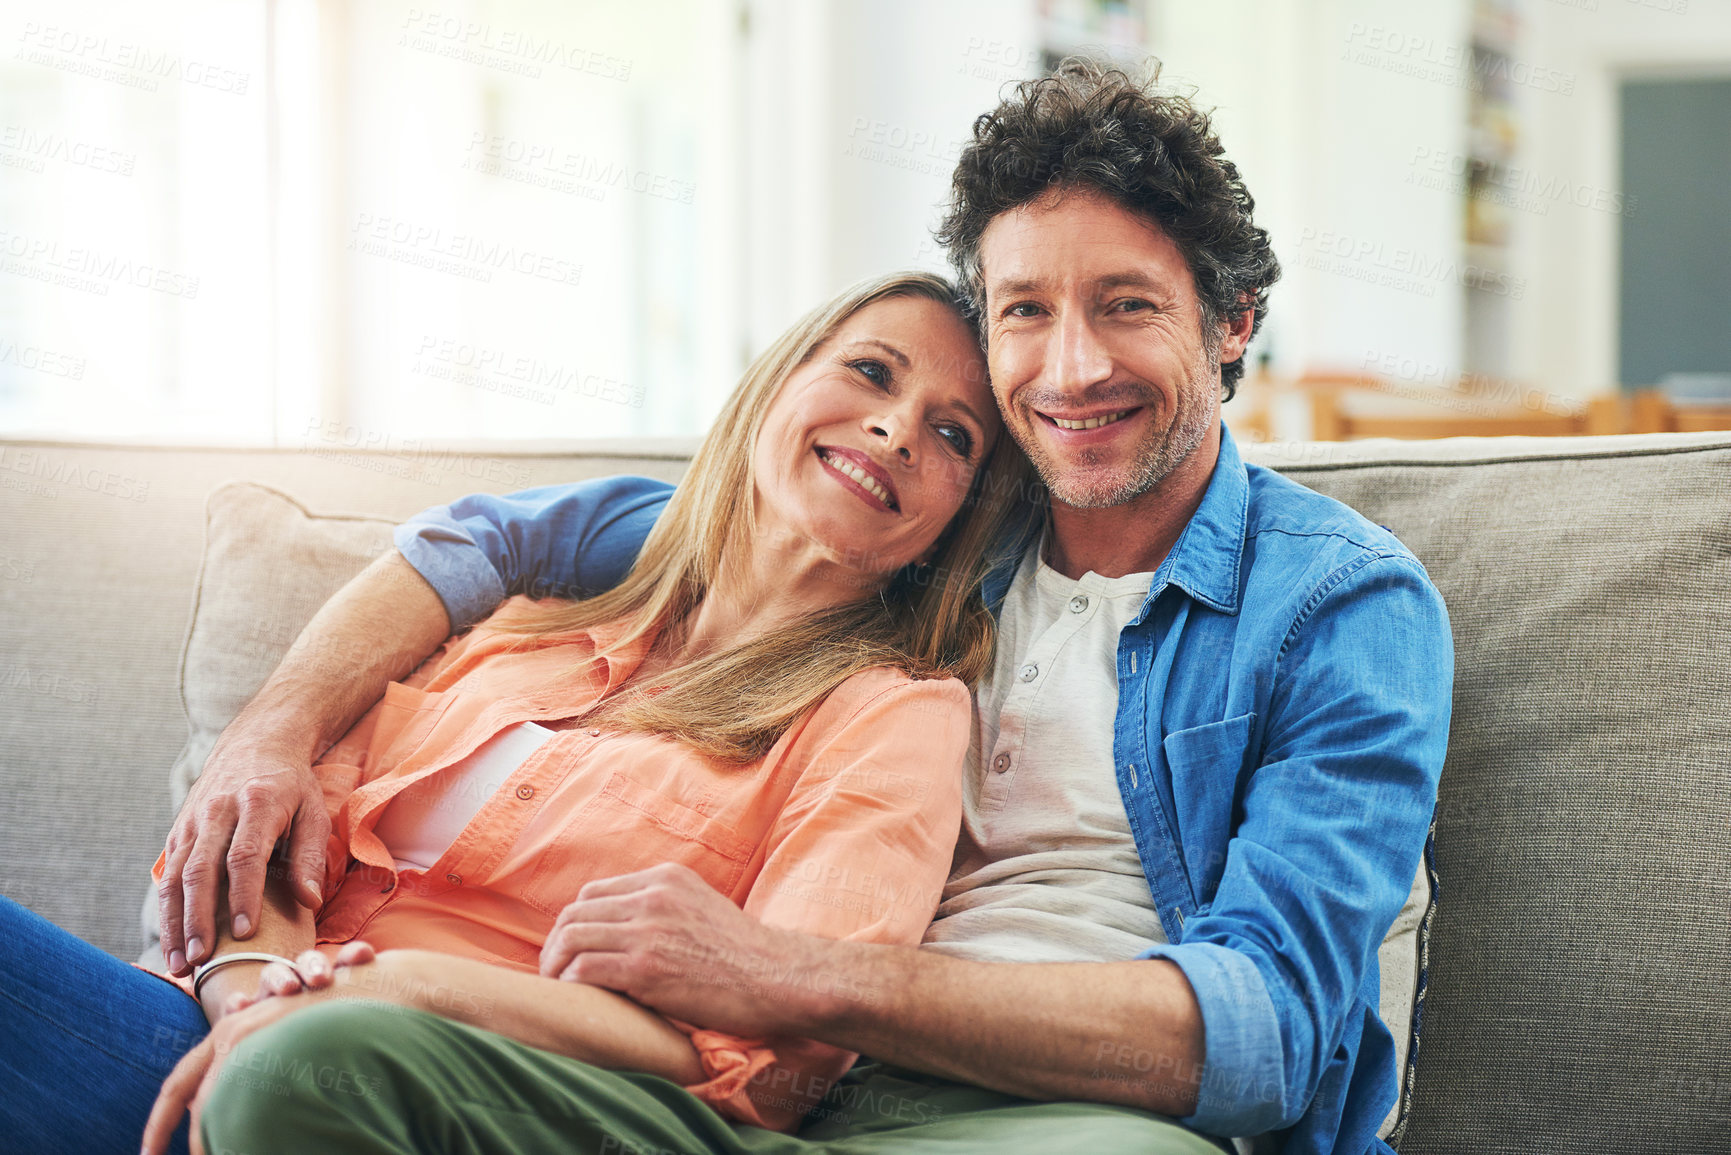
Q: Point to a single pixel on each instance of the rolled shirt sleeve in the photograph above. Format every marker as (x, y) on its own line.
(1334, 821)
(555, 541)
(1243, 1074)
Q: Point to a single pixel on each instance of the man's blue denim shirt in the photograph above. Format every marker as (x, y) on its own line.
(1283, 712)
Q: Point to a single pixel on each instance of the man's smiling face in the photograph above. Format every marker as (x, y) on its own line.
(1095, 341)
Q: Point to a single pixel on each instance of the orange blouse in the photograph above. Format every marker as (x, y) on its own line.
(844, 829)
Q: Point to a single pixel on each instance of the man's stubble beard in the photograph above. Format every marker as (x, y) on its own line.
(1156, 457)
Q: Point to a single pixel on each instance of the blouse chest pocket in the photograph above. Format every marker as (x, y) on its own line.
(628, 826)
(404, 720)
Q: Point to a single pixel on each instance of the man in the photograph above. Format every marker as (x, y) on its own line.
(1207, 758)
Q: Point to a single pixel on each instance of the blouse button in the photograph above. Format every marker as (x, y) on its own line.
(388, 887)
(454, 879)
(1078, 604)
(595, 733)
(1001, 763)
(525, 792)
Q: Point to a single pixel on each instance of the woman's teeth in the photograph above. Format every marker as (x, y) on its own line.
(1092, 422)
(866, 480)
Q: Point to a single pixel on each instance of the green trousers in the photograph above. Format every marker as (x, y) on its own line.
(364, 1077)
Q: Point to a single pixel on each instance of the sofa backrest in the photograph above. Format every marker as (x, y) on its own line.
(1579, 992)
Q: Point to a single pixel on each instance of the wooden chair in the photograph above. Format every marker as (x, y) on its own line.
(1340, 412)
(1650, 411)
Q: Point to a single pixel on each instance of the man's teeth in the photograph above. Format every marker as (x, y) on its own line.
(1092, 422)
(866, 480)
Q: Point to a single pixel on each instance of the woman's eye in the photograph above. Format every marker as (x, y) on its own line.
(874, 371)
(960, 439)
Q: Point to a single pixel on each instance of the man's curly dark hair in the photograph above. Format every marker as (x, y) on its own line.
(1152, 152)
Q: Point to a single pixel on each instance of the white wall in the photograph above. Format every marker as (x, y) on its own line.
(858, 110)
(1566, 331)
(914, 75)
(1317, 107)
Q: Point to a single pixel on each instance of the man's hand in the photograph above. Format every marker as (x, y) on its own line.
(258, 785)
(1039, 1030)
(666, 938)
(241, 805)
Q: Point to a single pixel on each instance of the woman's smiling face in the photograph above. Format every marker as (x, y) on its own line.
(868, 450)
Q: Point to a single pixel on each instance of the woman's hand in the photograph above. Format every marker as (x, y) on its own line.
(196, 1075)
(312, 972)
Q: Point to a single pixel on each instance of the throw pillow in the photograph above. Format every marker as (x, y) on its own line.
(269, 564)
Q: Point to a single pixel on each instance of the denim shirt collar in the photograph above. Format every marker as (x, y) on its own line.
(1204, 562)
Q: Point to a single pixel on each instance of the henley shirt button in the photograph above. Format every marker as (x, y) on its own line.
(454, 879)
(1078, 604)
(1001, 763)
(1029, 672)
(388, 887)
(525, 792)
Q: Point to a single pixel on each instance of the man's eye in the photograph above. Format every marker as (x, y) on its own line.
(874, 371)
(960, 439)
(1132, 305)
(1023, 309)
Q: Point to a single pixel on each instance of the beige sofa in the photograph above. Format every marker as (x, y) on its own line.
(1579, 973)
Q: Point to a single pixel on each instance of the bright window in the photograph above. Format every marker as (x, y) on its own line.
(306, 221)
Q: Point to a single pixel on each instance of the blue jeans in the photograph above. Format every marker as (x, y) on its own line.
(85, 1041)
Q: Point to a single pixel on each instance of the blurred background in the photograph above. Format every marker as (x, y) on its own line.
(364, 223)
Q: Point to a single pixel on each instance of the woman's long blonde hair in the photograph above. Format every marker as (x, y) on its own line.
(733, 704)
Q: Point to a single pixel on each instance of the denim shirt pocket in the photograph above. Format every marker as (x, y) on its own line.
(1208, 764)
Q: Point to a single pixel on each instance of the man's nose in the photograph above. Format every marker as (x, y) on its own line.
(1077, 357)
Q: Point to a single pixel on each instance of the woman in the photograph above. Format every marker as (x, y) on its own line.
(736, 705)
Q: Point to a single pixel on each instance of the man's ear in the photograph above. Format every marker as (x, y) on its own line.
(1237, 332)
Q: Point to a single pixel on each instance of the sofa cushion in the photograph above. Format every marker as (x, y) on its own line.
(269, 564)
(1402, 964)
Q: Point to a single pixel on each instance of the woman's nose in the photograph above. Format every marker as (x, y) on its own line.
(890, 432)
